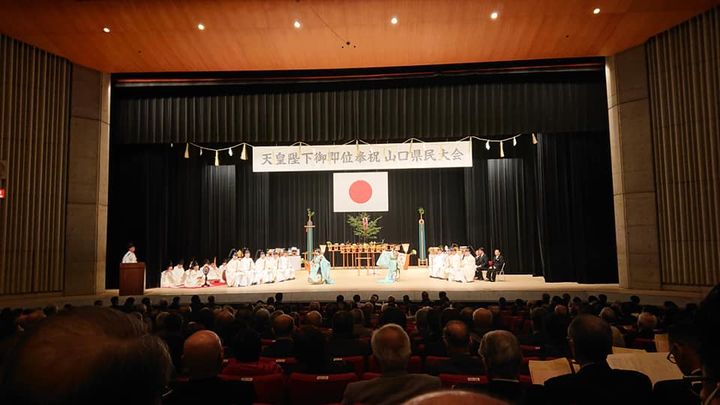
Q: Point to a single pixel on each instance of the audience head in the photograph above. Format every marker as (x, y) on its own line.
(391, 347)
(283, 326)
(456, 337)
(203, 355)
(95, 353)
(501, 354)
(482, 319)
(314, 318)
(590, 339)
(247, 345)
(342, 324)
(646, 322)
(608, 315)
(684, 346)
(394, 315)
(455, 397)
(358, 316)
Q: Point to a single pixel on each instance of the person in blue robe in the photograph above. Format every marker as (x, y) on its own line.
(320, 270)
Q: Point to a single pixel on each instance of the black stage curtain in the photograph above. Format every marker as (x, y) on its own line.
(547, 206)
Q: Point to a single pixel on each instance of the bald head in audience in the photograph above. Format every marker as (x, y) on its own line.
(84, 356)
(501, 354)
(391, 348)
(203, 355)
(455, 397)
(646, 322)
(457, 337)
(482, 319)
(283, 325)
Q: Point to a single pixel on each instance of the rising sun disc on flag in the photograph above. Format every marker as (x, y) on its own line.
(360, 191)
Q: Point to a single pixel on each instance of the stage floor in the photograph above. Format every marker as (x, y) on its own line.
(412, 282)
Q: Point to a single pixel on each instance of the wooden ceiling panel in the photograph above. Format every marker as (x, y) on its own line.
(162, 35)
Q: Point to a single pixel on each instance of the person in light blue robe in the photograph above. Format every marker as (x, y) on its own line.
(320, 270)
(389, 259)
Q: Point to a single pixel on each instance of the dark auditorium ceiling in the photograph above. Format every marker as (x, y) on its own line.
(163, 35)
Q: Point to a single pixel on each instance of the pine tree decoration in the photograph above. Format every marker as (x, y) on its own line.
(364, 227)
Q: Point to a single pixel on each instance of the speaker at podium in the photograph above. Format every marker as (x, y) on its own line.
(132, 278)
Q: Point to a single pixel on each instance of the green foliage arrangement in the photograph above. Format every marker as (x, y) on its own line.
(365, 234)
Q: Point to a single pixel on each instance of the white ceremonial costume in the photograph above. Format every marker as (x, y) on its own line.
(260, 273)
(232, 273)
(453, 265)
(194, 278)
(167, 279)
(246, 272)
(178, 275)
(271, 266)
(438, 265)
(282, 269)
(466, 271)
(129, 257)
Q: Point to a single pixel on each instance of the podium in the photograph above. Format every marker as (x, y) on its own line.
(132, 278)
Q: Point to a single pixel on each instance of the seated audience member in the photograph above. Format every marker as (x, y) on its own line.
(502, 356)
(262, 324)
(393, 315)
(590, 340)
(556, 326)
(454, 397)
(203, 359)
(425, 300)
(707, 323)
(684, 346)
(89, 355)
(457, 342)
(246, 360)
(282, 328)
(312, 356)
(359, 329)
(391, 348)
(342, 343)
(314, 319)
(170, 329)
(482, 320)
(646, 324)
(433, 336)
(607, 314)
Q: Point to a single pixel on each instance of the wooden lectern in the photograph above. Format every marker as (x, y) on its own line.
(132, 278)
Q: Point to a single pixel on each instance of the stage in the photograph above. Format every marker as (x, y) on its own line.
(412, 282)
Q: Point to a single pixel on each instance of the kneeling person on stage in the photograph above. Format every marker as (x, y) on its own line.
(246, 270)
(319, 269)
(498, 264)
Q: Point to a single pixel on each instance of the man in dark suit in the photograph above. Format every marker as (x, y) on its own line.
(282, 326)
(498, 263)
(391, 348)
(590, 340)
(457, 342)
(684, 345)
(481, 263)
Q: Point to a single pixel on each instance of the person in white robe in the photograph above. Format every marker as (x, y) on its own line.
(193, 277)
(453, 264)
(260, 273)
(271, 266)
(231, 271)
(466, 270)
(214, 274)
(130, 255)
(285, 267)
(167, 278)
(179, 273)
(438, 265)
(282, 264)
(246, 271)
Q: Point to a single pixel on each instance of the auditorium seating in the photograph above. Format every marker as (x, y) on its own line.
(269, 389)
(309, 389)
(450, 380)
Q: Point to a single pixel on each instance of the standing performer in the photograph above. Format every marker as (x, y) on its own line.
(260, 273)
(392, 266)
(130, 255)
(319, 270)
(481, 263)
(246, 272)
(498, 264)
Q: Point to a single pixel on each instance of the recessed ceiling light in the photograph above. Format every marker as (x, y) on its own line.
(297, 24)
(494, 15)
(201, 27)
(596, 11)
(394, 20)
(106, 30)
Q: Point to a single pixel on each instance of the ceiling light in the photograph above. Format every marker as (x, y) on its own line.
(494, 15)
(394, 20)
(596, 11)
(201, 27)
(106, 30)
(297, 24)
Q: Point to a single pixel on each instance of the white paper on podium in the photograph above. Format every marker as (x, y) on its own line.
(654, 365)
(543, 370)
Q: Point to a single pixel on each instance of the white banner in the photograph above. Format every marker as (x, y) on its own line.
(419, 155)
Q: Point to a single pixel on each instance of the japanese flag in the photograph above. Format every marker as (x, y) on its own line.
(358, 192)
